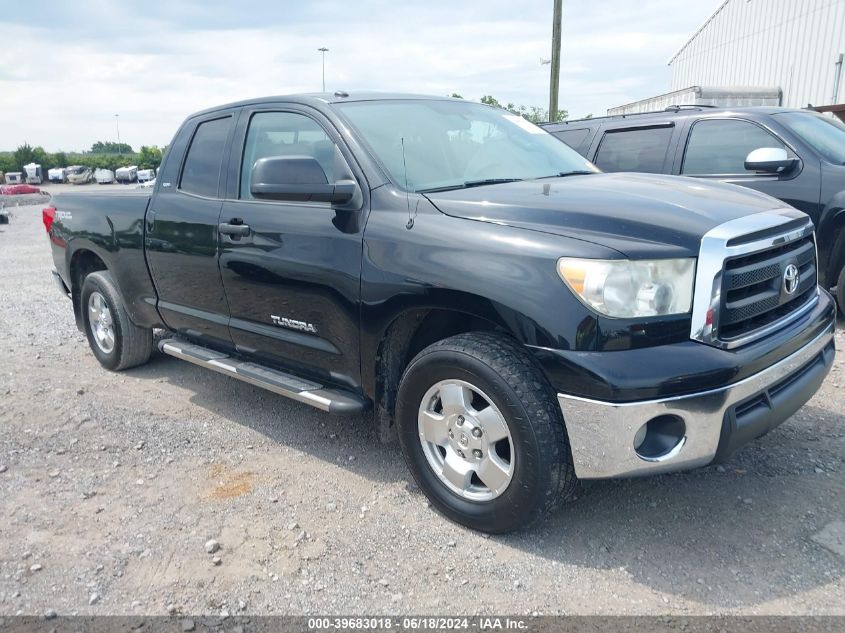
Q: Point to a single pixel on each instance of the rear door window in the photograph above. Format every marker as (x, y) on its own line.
(201, 172)
(720, 146)
(637, 149)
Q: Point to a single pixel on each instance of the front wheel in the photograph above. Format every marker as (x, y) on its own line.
(115, 340)
(482, 433)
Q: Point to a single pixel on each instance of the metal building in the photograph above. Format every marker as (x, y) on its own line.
(794, 45)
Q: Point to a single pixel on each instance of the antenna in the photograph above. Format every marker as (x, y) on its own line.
(410, 223)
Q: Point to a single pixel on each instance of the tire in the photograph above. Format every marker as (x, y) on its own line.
(116, 342)
(502, 383)
(840, 291)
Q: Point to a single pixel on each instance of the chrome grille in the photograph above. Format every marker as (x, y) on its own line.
(740, 292)
(753, 292)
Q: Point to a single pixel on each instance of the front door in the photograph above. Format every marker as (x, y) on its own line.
(292, 274)
(717, 148)
(182, 233)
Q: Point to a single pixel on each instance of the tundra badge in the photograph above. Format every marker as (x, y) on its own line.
(292, 324)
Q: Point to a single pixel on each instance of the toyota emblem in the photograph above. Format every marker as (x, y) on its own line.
(791, 277)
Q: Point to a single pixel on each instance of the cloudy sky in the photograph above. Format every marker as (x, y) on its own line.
(66, 68)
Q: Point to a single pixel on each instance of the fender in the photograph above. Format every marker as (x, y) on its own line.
(831, 239)
(506, 277)
(117, 240)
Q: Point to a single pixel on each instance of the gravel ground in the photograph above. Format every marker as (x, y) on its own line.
(112, 487)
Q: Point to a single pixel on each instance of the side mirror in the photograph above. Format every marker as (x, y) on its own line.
(297, 179)
(770, 160)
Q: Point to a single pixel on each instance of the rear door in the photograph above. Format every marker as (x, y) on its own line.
(181, 232)
(716, 149)
(293, 278)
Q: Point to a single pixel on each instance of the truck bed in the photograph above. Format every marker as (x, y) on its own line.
(105, 225)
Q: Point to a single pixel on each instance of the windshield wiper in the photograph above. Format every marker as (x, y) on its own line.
(562, 174)
(488, 181)
(470, 183)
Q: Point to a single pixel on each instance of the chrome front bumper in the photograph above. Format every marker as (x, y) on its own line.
(601, 434)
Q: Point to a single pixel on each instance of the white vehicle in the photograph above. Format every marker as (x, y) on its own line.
(79, 175)
(145, 175)
(14, 177)
(147, 184)
(126, 174)
(34, 175)
(104, 176)
(57, 174)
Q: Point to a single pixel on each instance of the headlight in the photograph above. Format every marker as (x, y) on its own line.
(625, 288)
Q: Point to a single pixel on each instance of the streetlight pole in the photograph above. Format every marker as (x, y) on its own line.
(554, 74)
(117, 124)
(324, 50)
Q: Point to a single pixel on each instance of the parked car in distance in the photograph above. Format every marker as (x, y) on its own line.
(79, 175)
(516, 318)
(56, 175)
(125, 175)
(145, 175)
(18, 190)
(104, 176)
(797, 156)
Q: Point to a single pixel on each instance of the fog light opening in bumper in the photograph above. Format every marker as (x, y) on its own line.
(660, 438)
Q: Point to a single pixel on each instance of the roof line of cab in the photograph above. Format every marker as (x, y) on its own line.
(321, 98)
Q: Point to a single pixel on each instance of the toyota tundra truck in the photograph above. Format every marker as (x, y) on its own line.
(518, 319)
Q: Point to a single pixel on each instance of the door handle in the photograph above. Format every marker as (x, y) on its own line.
(235, 229)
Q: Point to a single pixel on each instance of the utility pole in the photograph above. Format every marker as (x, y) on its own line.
(117, 124)
(554, 71)
(324, 50)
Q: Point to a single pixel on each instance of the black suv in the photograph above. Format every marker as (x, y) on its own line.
(803, 165)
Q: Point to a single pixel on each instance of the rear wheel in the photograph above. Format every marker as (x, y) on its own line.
(115, 340)
(482, 433)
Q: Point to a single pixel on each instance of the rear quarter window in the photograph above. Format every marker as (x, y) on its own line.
(201, 171)
(640, 149)
(576, 139)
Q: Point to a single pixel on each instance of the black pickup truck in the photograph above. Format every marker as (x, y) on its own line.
(518, 319)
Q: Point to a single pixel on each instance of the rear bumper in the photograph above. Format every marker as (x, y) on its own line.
(714, 422)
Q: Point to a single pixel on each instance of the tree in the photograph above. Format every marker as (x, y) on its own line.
(149, 157)
(535, 114)
(110, 147)
(24, 155)
(491, 101)
(455, 95)
(7, 162)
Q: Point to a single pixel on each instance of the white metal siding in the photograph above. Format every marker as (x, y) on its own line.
(788, 44)
(723, 97)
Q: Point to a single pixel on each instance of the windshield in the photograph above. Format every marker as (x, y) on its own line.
(452, 144)
(825, 134)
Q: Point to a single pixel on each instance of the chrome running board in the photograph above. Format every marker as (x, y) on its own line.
(299, 389)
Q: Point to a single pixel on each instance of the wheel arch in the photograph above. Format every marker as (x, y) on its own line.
(406, 334)
(831, 241)
(83, 262)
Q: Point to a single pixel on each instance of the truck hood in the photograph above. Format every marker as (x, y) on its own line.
(639, 215)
